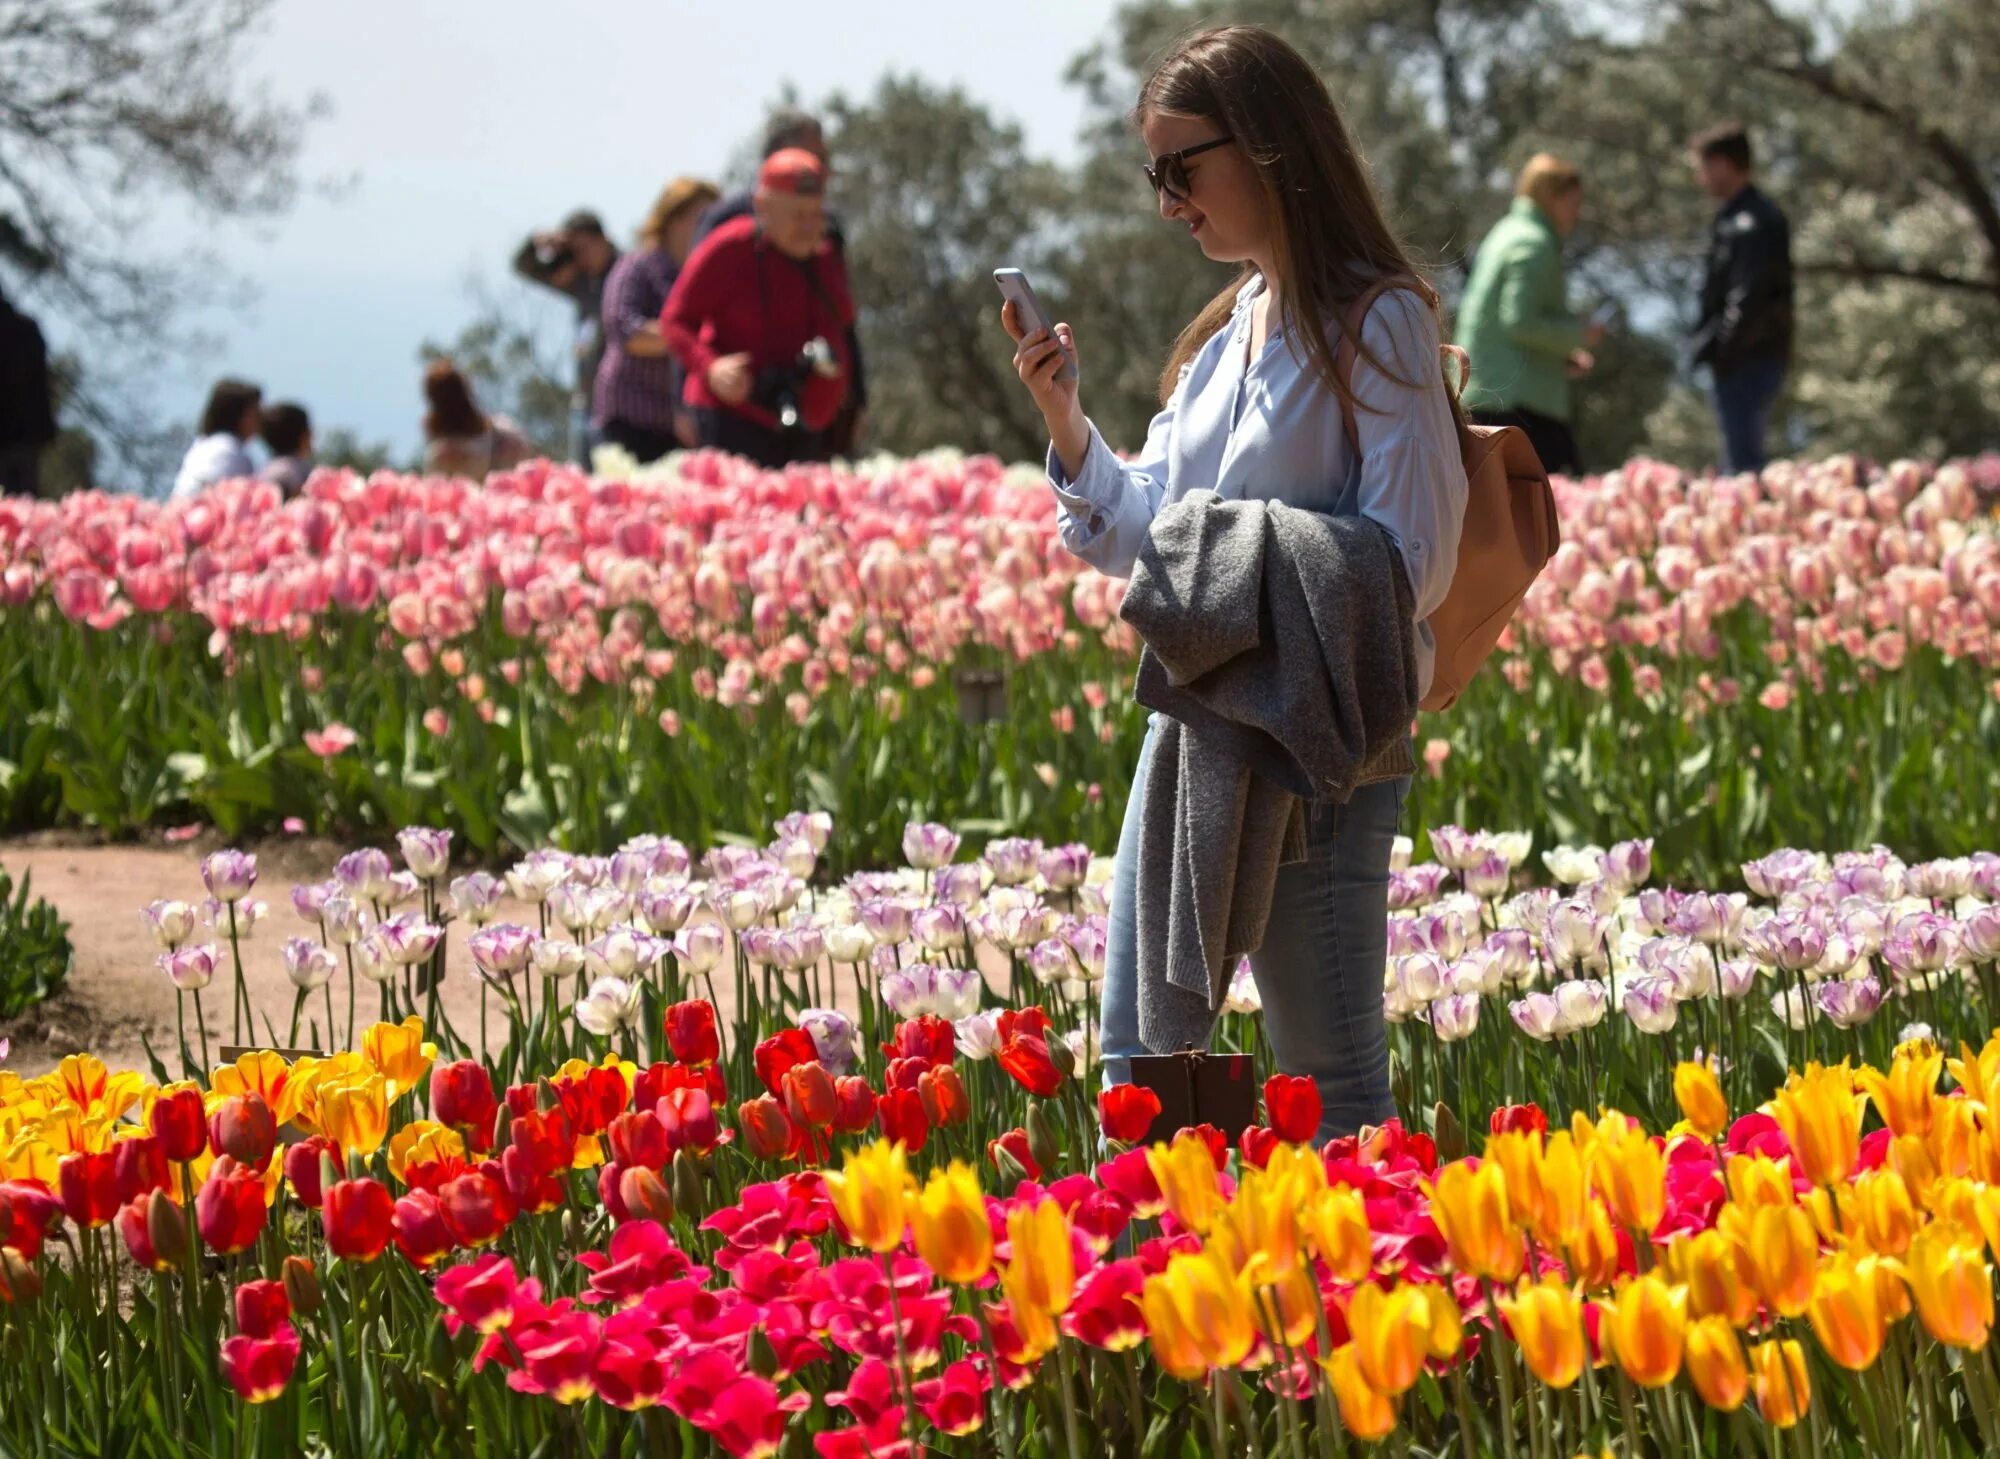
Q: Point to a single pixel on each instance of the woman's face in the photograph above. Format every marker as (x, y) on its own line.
(680, 234)
(1225, 210)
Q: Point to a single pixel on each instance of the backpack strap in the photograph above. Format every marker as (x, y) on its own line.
(1350, 341)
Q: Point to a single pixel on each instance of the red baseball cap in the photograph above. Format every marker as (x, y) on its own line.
(792, 170)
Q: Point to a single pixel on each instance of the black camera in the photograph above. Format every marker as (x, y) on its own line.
(778, 386)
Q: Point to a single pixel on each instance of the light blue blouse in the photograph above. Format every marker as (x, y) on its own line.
(1271, 430)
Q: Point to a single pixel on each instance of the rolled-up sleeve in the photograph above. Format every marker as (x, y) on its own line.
(1104, 514)
(1412, 475)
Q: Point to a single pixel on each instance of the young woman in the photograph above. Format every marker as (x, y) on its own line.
(1250, 155)
(459, 438)
(638, 401)
(221, 448)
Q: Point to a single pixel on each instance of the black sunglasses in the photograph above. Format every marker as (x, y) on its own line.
(1168, 172)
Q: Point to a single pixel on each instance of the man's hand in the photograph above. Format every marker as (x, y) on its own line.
(730, 378)
(1581, 362)
(684, 430)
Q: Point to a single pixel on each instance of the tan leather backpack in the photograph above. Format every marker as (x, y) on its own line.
(1509, 532)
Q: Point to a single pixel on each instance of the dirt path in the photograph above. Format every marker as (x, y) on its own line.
(117, 995)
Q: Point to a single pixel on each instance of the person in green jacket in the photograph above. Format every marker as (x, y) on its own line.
(1515, 322)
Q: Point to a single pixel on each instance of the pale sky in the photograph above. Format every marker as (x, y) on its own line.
(463, 126)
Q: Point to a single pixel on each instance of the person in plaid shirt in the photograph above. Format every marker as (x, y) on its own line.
(637, 400)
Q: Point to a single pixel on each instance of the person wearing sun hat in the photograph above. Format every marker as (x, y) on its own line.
(760, 319)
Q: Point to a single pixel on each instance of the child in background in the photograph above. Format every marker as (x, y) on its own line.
(287, 431)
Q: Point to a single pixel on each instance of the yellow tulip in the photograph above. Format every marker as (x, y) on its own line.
(1299, 1170)
(1758, 1180)
(1905, 1094)
(1185, 1171)
(1877, 1210)
(1336, 1228)
(1288, 1310)
(1198, 1314)
(869, 1193)
(1821, 1116)
(1715, 1363)
(1471, 1211)
(84, 1081)
(1264, 1221)
(1035, 1334)
(1565, 1192)
(1043, 1270)
(422, 1141)
(1366, 1414)
(1646, 1324)
(309, 1075)
(1699, 1094)
(399, 1052)
(1630, 1172)
(1391, 1327)
(1547, 1322)
(354, 1112)
(1977, 1073)
(1779, 1252)
(1594, 1253)
(1911, 1158)
(1846, 1311)
(948, 1220)
(1447, 1323)
(1953, 1287)
(1519, 1154)
(1784, 1388)
(260, 1072)
(1710, 1265)
(1955, 1141)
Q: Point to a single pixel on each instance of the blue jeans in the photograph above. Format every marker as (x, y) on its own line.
(582, 436)
(1744, 395)
(1320, 969)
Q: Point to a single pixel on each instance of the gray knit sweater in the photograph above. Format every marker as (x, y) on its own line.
(1281, 645)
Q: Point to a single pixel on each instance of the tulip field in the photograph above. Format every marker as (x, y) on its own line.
(1722, 665)
(743, 1159)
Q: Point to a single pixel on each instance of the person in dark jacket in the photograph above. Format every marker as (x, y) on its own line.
(575, 261)
(788, 129)
(1744, 335)
(27, 418)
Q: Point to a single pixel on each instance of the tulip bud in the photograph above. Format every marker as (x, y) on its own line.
(1447, 1133)
(1042, 1142)
(19, 1281)
(1063, 1057)
(572, 1234)
(645, 1196)
(167, 1230)
(688, 1185)
(1012, 1172)
(244, 1126)
(763, 1358)
(302, 1286)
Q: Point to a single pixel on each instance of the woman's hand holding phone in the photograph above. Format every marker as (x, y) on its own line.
(1038, 359)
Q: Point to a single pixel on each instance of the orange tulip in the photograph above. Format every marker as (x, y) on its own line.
(1711, 1266)
(1336, 1228)
(1715, 1363)
(1699, 1094)
(1366, 1414)
(1629, 1169)
(1185, 1171)
(1288, 1310)
(1878, 1210)
(948, 1222)
(1781, 1255)
(1565, 1192)
(1846, 1310)
(1821, 1116)
(1391, 1327)
(1952, 1284)
(1905, 1095)
(1784, 1389)
(1647, 1324)
(1593, 1253)
(1472, 1213)
(1547, 1322)
(1955, 1141)
(1519, 1154)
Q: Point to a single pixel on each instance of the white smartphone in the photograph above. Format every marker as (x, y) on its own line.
(1014, 286)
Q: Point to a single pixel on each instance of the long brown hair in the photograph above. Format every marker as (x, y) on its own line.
(1331, 240)
(674, 201)
(452, 412)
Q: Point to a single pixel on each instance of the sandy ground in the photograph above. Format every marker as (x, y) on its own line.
(117, 995)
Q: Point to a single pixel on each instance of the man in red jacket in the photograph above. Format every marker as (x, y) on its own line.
(759, 319)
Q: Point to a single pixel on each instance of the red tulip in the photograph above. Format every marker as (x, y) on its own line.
(420, 1231)
(476, 1208)
(529, 1189)
(88, 1184)
(632, 1369)
(1291, 1104)
(20, 1282)
(903, 1118)
(1030, 1020)
(904, 1073)
(748, 1416)
(639, 1139)
(1105, 1313)
(481, 1294)
(1127, 1112)
(1217, 1142)
(27, 1211)
(767, 1130)
(229, 1208)
(142, 1166)
(809, 1095)
(1523, 1119)
(462, 1096)
(1256, 1144)
(927, 1037)
(854, 1105)
(302, 1168)
(643, 1195)
(946, 1103)
(557, 1354)
(1025, 1056)
(956, 1401)
(780, 1052)
(302, 1288)
(688, 1116)
(259, 1370)
(180, 1122)
(261, 1309)
(545, 1139)
(691, 1032)
(660, 1080)
(1015, 1143)
(359, 1217)
(608, 1193)
(594, 1099)
(1130, 1178)
(243, 1126)
(155, 1231)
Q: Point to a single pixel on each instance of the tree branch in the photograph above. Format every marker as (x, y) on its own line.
(1870, 269)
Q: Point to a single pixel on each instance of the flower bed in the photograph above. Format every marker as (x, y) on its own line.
(1806, 658)
(748, 1165)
